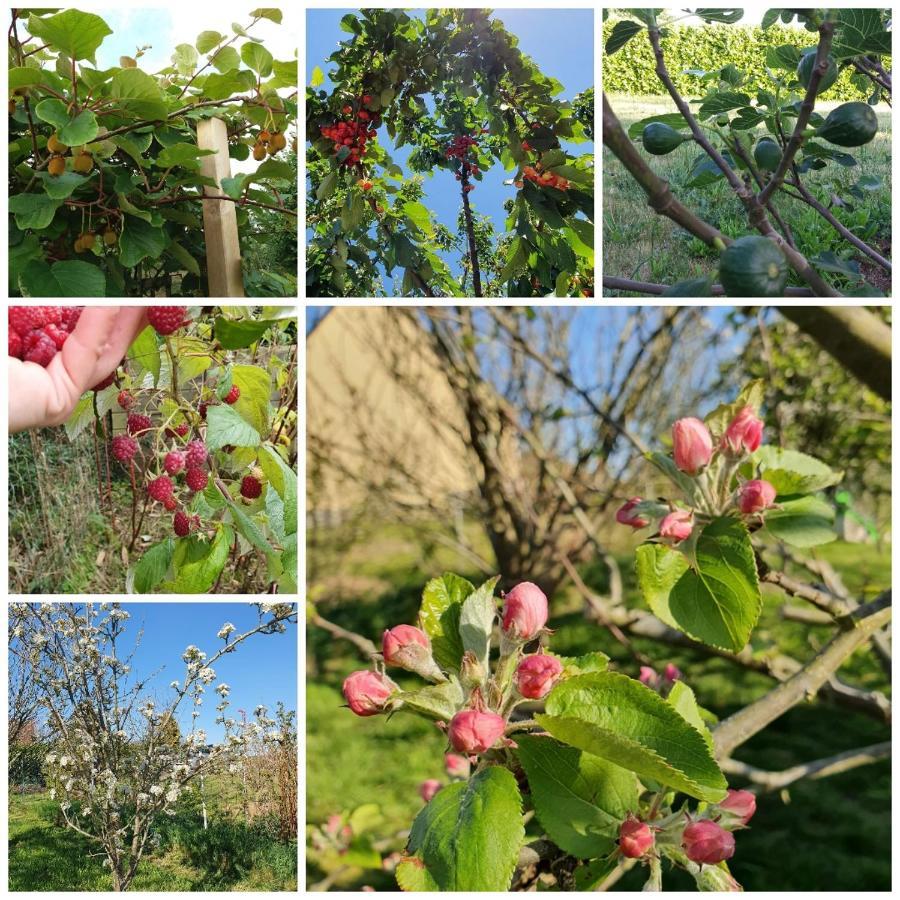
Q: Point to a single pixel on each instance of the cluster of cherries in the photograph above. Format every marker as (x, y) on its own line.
(459, 149)
(354, 134)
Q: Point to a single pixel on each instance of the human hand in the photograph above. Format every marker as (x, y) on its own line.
(39, 396)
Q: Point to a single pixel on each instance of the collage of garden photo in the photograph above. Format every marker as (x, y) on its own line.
(487, 582)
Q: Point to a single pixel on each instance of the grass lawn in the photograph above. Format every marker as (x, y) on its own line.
(45, 856)
(832, 834)
(641, 245)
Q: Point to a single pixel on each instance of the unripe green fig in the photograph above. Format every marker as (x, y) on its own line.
(767, 155)
(805, 70)
(660, 139)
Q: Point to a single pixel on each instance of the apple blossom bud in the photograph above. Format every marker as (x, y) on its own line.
(648, 676)
(473, 731)
(427, 789)
(537, 674)
(707, 843)
(457, 766)
(524, 611)
(740, 804)
(409, 648)
(672, 672)
(626, 516)
(744, 434)
(691, 445)
(471, 672)
(368, 692)
(755, 496)
(676, 526)
(635, 838)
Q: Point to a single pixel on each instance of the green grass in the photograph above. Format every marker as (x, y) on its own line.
(832, 834)
(44, 855)
(641, 245)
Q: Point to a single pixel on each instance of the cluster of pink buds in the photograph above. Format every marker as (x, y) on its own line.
(651, 677)
(695, 453)
(706, 841)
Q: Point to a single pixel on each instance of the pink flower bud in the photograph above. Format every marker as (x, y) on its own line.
(744, 434)
(691, 445)
(368, 692)
(707, 843)
(672, 672)
(473, 731)
(648, 676)
(401, 642)
(755, 496)
(740, 804)
(676, 526)
(457, 766)
(427, 789)
(625, 516)
(524, 611)
(635, 838)
(536, 674)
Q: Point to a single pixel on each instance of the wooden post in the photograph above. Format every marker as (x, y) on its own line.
(223, 250)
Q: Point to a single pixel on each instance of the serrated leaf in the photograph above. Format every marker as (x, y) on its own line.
(476, 621)
(627, 723)
(790, 471)
(801, 521)
(439, 614)
(469, 835)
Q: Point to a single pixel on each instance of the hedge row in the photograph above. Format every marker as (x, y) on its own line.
(631, 70)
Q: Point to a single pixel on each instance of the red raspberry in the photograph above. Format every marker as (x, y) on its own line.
(138, 423)
(166, 319)
(39, 347)
(170, 503)
(174, 462)
(196, 479)
(57, 333)
(202, 410)
(124, 447)
(182, 429)
(250, 487)
(71, 315)
(125, 400)
(160, 488)
(182, 524)
(15, 344)
(196, 454)
(27, 318)
(105, 383)
(233, 394)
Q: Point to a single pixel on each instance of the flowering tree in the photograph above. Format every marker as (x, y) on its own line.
(599, 757)
(114, 767)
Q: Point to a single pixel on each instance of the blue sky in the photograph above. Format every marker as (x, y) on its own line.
(262, 670)
(561, 43)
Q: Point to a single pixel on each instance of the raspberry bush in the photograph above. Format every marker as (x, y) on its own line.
(192, 525)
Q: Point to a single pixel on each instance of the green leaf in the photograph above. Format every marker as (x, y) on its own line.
(439, 617)
(802, 521)
(439, 701)
(71, 32)
(682, 699)
(476, 621)
(184, 258)
(81, 130)
(406, 251)
(140, 240)
(226, 60)
(350, 24)
(224, 426)
(622, 33)
(268, 12)
(139, 94)
(715, 599)
(283, 479)
(318, 77)
(33, 210)
(197, 565)
(791, 472)
(235, 334)
(185, 59)
(257, 58)
(627, 723)
(24, 76)
(206, 40)
(66, 278)
(469, 835)
(419, 216)
(515, 260)
(151, 568)
(579, 798)
(182, 154)
(52, 111)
